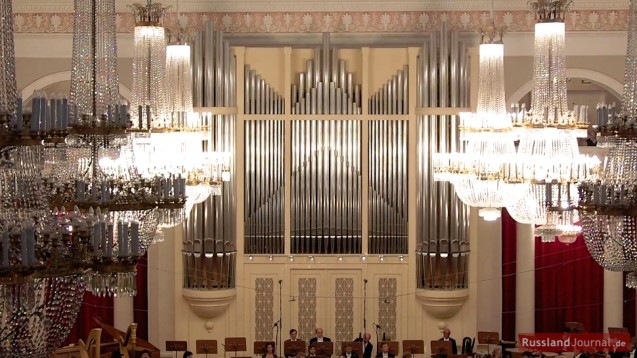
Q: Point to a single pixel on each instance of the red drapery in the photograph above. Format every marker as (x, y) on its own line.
(568, 287)
(629, 308)
(92, 307)
(140, 303)
(509, 257)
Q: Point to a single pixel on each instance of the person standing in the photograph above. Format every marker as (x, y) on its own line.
(293, 338)
(446, 338)
(367, 345)
(319, 337)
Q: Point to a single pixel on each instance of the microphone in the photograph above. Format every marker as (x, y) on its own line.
(365, 280)
(280, 282)
(275, 324)
(377, 326)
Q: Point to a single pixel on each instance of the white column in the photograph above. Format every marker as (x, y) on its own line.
(613, 299)
(489, 275)
(123, 314)
(525, 280)
(164, 286)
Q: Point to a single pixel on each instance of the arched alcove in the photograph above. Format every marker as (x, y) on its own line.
(613, 86)
(59, 82)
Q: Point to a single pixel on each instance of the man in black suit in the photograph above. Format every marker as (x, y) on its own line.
(384, 351)
(445, 337)
(293, 338)
(367, 345)
(349, 351)
(319, 337)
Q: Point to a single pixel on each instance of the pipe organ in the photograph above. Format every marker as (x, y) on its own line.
(325, 164)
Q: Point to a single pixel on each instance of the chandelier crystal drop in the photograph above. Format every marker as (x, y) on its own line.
(8, 92)
(149, 103)
(491, 113)
(179, 76)
(94, 79)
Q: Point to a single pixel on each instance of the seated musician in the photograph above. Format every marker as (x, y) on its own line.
(269, 351)
(312, 351)
(384, 351)
(349, 351)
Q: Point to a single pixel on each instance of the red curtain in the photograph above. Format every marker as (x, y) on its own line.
(92, 307)
(509, 257)
(140, 303)
(629, 308)
(568, 287)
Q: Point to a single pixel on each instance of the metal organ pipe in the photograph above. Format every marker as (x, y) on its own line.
(392, 97)
(325, 87)
(442, 218)
(209, 233)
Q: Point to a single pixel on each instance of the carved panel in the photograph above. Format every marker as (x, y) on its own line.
(264, 313)
(387, 288)
(344, 311)
(307, 307)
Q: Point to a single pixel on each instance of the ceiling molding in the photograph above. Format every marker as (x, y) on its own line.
(64, 6)
(338, 22)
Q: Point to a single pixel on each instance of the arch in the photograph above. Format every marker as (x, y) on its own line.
(612, 85)
(63, 76)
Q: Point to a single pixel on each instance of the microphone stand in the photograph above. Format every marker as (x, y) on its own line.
(364, 306)
(276, 339)
(280, 322)
(376, 328)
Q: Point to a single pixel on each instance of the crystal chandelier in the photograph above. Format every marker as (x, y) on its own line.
(548, 158)
(41, 284)
(178, 146)
(477, 171)
(609, 218)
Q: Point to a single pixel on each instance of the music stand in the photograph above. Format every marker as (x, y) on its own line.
(575, 327)
(393, 346)
(488, 338)
(176, 346)
(416, 346)
(357, 347)
(259, 347)
(612, 330)
(292, 348)
(441, 348)
(617, 333)
(324, 348)
(234, 344)
(206, 346)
